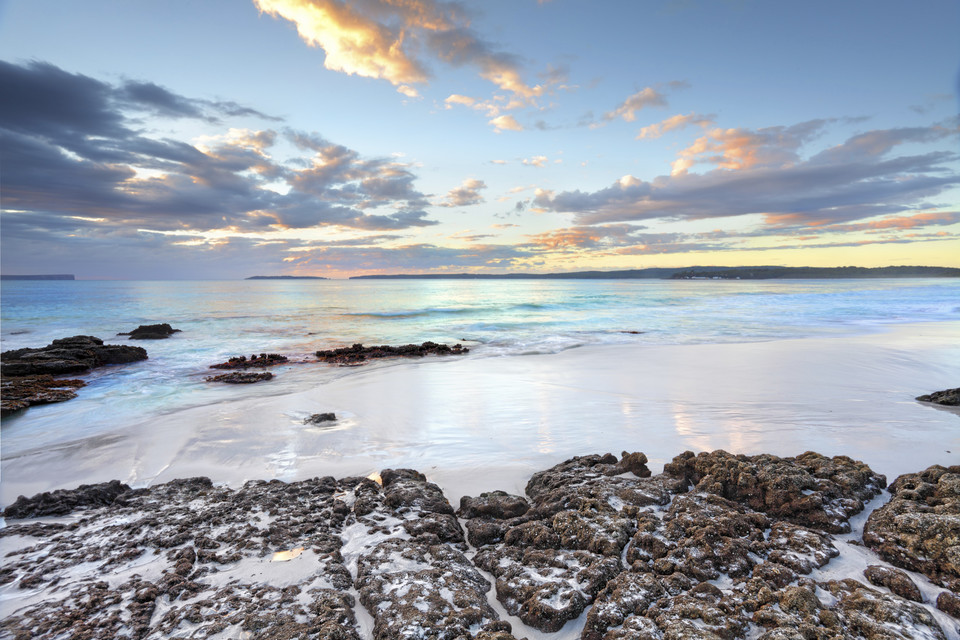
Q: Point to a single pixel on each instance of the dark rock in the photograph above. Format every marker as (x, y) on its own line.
(320, 418)
(498, 505)
(629, 594)
(243, 362)
(546, 587)
(947, 397)
(63, 501)
(358, 354)
(810, 489)
(949, 603)
(240, 377)
(151, 332)
(895, 580)
(919, 529)
(432, 589)
(873, 614)
(67, 355)
(17, 393)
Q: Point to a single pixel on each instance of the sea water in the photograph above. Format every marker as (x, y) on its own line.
(495, 319)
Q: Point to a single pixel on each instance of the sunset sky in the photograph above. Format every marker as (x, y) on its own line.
(226, 138)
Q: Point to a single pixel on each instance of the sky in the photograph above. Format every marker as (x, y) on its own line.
(167, 139)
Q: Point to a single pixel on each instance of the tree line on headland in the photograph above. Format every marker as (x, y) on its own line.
(700, 273)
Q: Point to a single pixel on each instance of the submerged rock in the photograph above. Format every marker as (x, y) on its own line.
(919, 529)
(947, 397)
(151, 332)
(358, 354)
(67, 355)
(243, 362)
(320, 418)
(17, 393)
(241, 377)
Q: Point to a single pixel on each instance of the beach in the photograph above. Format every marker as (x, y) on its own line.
(414, 438)
(469, 421)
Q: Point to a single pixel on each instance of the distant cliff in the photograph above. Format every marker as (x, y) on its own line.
(285, 278)
(54, 276)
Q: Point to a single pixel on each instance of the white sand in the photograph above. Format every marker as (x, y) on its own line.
(487, 423)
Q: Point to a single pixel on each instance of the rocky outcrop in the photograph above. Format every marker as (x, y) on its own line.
(947, 397)
(18, 393)
(68, 355)
(151, 332)
(63, 501)
(27, 374)
(810, 490)
(637, 556)
(919, 529)
(358, 354)
(241, 377)
(243, 362)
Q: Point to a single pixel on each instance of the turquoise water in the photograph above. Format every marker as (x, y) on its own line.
(494, 318)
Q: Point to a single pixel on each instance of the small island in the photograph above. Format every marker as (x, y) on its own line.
(54, 276)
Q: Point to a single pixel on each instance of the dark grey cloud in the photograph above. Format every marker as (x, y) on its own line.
(77, 146)
(854, 180)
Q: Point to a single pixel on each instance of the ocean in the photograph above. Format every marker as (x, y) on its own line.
(221, 319)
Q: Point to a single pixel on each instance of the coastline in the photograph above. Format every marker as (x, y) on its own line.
(467, 422)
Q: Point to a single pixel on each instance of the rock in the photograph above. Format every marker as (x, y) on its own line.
(320, 418)
(895, 580)
(358, 354)
(151, 332)
(701, 565)
(17, 393)
(432, 589)
(240, 377)
(947, 397)
(628, 595)
(67, 355)
(63, 501)
(949, 602)
(498, 505)
(874, 614)
(919, 529)
(546, 587)
(810, 490)
(242, 362)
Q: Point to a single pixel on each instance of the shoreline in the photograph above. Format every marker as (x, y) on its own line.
(508, 416)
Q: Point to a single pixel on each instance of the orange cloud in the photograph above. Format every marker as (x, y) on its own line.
(379, 39)
(506, 123)
(741, 149)
(678, 121)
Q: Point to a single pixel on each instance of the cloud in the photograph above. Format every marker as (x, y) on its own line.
(762, 172)
(465, 195)
(73, 147)
(506, 123)
(385, 39)
(647, 97)
(535, 161)
(672, 123)
(744, 148)
(456, 98)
